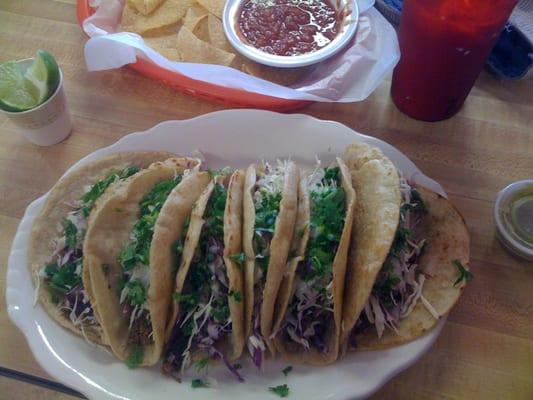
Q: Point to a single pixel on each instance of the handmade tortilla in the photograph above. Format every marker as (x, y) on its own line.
(109, 230)
(232, 245)
(376, 218)
(44, 232)
(313, 356)
(279, 248)
(449, 240)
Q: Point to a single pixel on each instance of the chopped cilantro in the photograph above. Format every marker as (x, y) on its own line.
(127, 257)
(287, 370)
(96, 190)
(62, 280)
(237, 296)
(331, 174)
(265, 221)
(119, 210)
(178, 247)
(464, 273)
(239, 258)
(220, 312)
(105, 268)
(187, 301)
(71, 234)
(281, 390)
(202, 364)
(199, 383)
(136, 292)
(327, 222)
(214, 214)
(135, 357)
(385, 283)
(138, 251)
(400, 240)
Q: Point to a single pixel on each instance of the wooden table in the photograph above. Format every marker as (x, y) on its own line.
(486, 348)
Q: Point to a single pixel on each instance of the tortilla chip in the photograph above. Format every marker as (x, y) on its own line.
(201, 30)
(166, 45)
(145, 7)
(167, 15)
(217, 37)
(215, 7)
(193, 16)
(195, 50)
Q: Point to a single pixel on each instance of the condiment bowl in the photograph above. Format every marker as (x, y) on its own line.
(348, 28)
(507, 200)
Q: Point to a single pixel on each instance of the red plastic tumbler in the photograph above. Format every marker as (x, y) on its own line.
(444, 44)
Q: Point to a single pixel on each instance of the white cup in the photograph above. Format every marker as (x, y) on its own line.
(48, 123)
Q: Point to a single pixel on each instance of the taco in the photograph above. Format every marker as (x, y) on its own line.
(128, 253)
(55, 252)
(309, 304)
(207, 318)
(405, 271)
(269, 216)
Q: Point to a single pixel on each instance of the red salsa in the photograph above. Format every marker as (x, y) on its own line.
(288, 27)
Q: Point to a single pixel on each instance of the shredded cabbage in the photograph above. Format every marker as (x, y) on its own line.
(400, 282)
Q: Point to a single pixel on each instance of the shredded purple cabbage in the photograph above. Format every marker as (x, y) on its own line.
(208, 331)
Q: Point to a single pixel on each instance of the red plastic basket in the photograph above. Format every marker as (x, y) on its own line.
(207, 91)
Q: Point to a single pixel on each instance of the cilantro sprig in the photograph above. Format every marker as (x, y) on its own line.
(239, 258)
(202, 364)
(199, 383)
(236, 295)
(327, 221)
(265, 222)
(464, 273)
(96, 190)
(64, 279)
(135, 358)
(136, 292)
(138, 250)
(281, 390)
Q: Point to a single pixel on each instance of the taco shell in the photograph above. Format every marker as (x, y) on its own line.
(279, 247)
(376, 218)
(449, 240)
(313, 356)
(67, 190)
(232, 245)
(110, 226)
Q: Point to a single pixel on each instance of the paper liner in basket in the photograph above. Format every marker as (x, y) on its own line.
(351, 75)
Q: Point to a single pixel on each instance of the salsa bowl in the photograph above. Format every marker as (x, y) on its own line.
(347, 11)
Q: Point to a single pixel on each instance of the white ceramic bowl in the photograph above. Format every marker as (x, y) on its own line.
(504, 229)
(346, 33)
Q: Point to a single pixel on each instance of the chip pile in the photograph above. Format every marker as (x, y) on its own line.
(192, 31)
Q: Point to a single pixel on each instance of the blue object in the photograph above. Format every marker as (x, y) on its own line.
(511, 57)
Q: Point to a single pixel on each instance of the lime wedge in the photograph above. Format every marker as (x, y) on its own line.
(25, 84)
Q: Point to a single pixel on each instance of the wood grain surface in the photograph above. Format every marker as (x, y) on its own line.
(486, 348)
